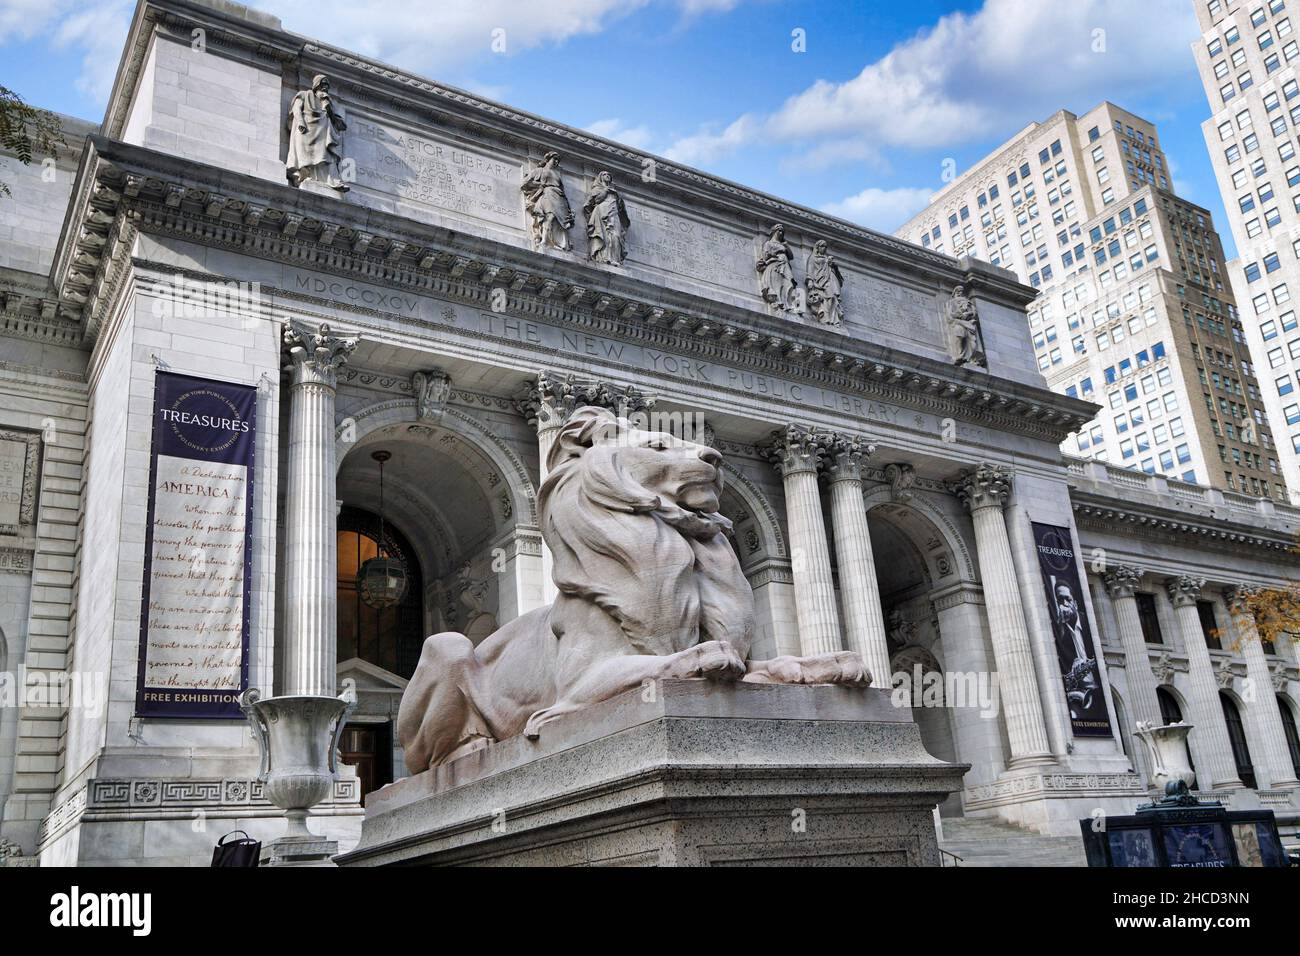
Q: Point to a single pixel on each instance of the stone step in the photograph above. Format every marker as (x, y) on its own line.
(981, 841)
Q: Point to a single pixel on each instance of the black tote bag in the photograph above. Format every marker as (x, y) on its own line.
(243, 852)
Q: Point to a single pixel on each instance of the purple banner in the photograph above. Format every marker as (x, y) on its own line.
(1076, 651)
(194, 614)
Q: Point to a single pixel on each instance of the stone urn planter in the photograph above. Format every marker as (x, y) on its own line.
(298, 737)
(1170, 759)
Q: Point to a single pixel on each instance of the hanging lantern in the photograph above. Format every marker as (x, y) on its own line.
(381, 581)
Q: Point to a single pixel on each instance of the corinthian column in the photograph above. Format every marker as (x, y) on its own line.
(1144, 706)
(864, 621)
(310, 559)
(1203, 698)
(796, 451)
(984, 490)
(1277, 756)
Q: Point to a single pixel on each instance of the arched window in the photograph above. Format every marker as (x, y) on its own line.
(390, 638)
(1171, 713)
(1289, 728)
(1237, 737)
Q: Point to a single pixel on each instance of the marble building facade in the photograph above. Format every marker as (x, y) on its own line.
(464, 277)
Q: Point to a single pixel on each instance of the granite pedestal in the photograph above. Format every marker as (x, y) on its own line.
(687, 773)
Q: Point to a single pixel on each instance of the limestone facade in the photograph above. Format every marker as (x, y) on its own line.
(896, 521)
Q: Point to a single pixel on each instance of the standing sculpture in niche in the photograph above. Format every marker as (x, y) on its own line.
(547, 206)
(316, 127)
(649, 588)
(607, 222)
(776, 273)
(825, 285)
(965, 342)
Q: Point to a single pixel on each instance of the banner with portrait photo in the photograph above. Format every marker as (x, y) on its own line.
(1076, 648)
(194, 615)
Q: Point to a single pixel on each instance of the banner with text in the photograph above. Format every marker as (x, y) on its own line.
(1075, 648)
(194, 617)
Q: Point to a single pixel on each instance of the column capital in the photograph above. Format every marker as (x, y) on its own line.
(796, 448)
(984, 486)
(1122, 580)
(315, 354)
(1240, 600)
(549, 400)
(1184, 590)
(845, 456)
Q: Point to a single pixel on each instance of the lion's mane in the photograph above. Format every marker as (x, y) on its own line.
(668, 576)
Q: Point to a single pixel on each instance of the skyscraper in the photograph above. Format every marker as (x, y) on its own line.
(1246, 57)
(1135, 312)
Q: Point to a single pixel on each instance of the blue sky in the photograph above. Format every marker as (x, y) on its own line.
(858, 123)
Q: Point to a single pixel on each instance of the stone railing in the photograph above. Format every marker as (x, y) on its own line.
(1236, 503)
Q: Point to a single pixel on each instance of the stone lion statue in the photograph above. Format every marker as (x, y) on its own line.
(649, 587)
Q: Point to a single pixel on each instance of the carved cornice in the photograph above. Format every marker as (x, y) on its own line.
(1117, 516)
(165, 200)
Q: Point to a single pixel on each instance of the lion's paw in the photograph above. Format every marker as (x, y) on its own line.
(713, 660)
(839, 667)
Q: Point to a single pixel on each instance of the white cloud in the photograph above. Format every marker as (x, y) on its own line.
(986, 73)
(431, 39)
(638, 137)
(882, 209)
(706, 146)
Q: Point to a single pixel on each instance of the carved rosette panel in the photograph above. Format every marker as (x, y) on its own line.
(984, 486)
(1184, 590)
(315, 355)
(1122, 580)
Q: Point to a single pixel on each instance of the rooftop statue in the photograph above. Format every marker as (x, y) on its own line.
(649, 588)
(825, 285)
(775, 267)
(549, 213)
(965, 341)
(607, 222)
(316, 127)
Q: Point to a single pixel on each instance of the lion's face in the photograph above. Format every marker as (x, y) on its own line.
(676, 471)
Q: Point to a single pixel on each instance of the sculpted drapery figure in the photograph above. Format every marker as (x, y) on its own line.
(316, 127)
(776, 273)
(965, 343)
(649, 588)
(547, 206)
(825, 285)
(607, 222)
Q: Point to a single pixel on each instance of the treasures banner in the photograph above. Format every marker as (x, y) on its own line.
(194, 620)
(1075, 647)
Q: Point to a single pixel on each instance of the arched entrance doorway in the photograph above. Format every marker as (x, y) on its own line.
(389, 638)
(450, 518)
(937, 634)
